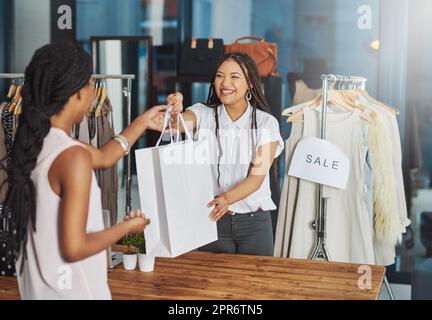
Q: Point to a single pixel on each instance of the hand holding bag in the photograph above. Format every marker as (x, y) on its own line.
(262, 52)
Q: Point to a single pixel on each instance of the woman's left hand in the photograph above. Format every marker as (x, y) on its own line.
(221, 207)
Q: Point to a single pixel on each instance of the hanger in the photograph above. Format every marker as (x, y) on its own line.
(12, 89)
(365, 94)
(339, 99)
(97, 92)
(102, 99)
(15, 99)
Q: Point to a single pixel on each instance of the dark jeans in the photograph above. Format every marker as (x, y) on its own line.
(248, 233)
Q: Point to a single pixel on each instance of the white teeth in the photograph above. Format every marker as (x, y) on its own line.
(227, 92)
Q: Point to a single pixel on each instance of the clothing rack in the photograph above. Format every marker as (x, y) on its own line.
(320, 251)
(127, 93)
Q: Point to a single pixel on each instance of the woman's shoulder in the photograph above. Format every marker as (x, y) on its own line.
(199, 106)
(265, 118)
(201, 109)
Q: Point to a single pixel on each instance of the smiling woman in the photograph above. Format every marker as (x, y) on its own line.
(245, 144)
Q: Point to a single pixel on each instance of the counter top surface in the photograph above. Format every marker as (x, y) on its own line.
(202, 276)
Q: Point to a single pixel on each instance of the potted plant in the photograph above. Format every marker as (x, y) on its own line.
(130, 256)
(146, 262)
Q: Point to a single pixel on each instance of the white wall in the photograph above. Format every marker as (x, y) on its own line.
(31, 31)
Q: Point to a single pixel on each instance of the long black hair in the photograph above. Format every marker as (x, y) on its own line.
(56, 72)
(257, 101)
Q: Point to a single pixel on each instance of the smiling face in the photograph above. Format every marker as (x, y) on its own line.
(230, 84)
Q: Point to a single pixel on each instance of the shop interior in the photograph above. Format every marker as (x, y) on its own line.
(382, 41)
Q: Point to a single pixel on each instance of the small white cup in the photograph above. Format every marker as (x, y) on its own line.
(130, 261)
(146, 262)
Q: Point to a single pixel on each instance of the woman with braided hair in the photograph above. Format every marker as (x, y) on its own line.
(245, 139)
(58, 238)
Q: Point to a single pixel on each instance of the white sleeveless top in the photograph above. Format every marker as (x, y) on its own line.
(46, 275)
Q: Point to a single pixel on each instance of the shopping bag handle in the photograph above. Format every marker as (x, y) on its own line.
(186, 130)
(166, 123)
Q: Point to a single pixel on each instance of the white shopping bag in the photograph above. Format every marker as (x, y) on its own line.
(175, 186)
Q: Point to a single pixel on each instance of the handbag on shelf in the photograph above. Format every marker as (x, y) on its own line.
(265, 54)
(199, 57)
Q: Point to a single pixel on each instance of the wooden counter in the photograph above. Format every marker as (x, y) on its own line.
(202, 276)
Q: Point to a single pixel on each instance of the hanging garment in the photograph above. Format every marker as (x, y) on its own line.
(349, 231)
(288, 199)
(3, 155)
(40, 277)
(83, 132)
(393, 143)
(108, 179)
(8, 129)
(7, 267)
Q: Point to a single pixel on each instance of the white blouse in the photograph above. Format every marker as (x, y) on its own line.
(236, 139)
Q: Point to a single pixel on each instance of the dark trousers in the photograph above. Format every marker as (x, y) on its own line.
(248, 233)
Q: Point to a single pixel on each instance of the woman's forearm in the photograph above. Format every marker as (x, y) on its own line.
(93, 243)
(244, 189)
(110, 153)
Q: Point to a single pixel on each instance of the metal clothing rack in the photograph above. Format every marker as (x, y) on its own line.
(127, 93)
(320, 252)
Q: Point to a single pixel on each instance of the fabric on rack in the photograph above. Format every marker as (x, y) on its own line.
(7, 267)
(8, 126)
(299, 90)
(349, 232)
(386, 220)
(83, 132)
(288, 197)
(385, 251)
(108, 179)
(87, 128)
(394, 139)
(92, 128)
(369, 184)
(3, 155)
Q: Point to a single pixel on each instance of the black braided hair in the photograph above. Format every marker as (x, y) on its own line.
(56, 72)
(258, 100)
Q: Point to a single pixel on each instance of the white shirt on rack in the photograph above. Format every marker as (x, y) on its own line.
(236, 139)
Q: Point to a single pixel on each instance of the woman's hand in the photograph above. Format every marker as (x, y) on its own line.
(175, 101)
(137, 220)
(221, 207)
(153, 118)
